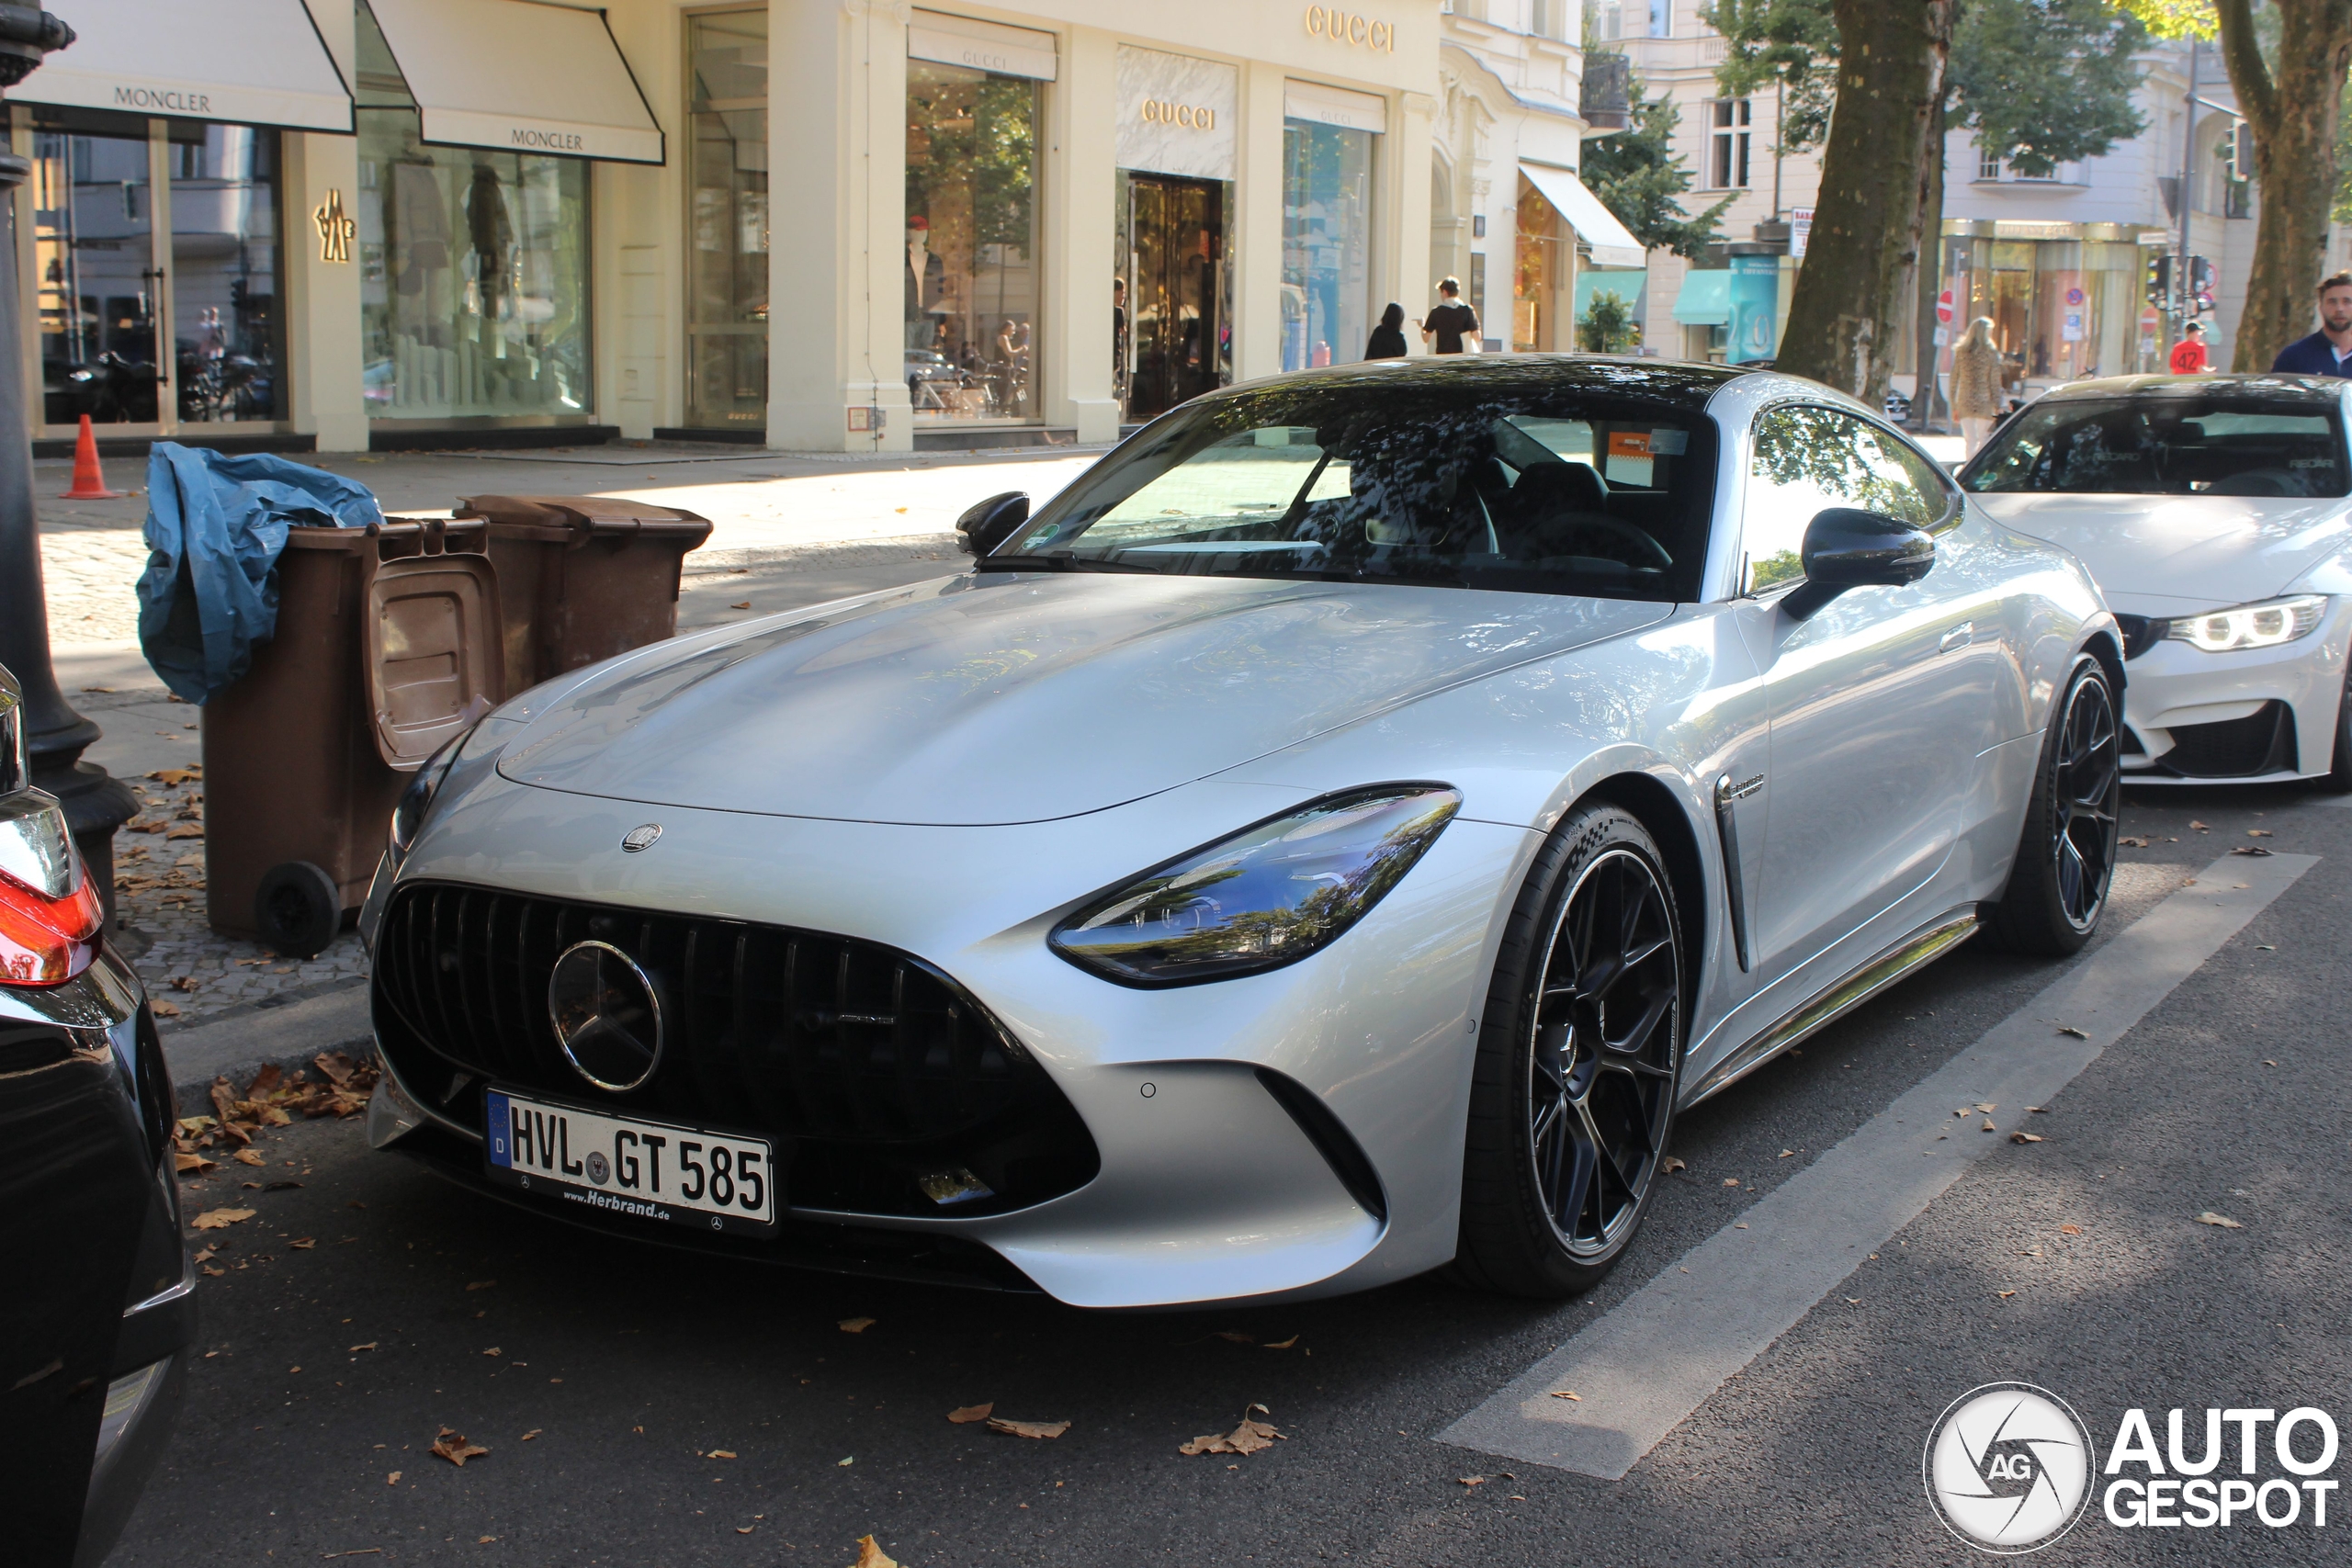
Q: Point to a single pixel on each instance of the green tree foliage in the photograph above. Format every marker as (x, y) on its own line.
(1608, 324)
(2046, 81)
(1637, 176)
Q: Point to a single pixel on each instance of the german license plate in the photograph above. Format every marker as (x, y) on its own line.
(626, 1165)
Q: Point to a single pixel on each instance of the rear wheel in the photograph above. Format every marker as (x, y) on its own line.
(1579, 1056)
(2066, 855)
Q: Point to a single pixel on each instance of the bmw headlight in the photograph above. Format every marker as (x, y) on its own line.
(2251, 625)
(1270, 895)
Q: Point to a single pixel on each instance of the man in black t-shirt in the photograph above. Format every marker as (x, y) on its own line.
(1444, 328)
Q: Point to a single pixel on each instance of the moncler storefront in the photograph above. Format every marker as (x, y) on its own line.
(841, 225)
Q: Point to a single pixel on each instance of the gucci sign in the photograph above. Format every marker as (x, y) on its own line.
(1348, 27)
(335, 229)
(1160, 111)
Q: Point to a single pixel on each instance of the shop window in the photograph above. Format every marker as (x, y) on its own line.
(116, 342)
(727, 251)
(1326, 243)
(1728, 133)
(970, 276)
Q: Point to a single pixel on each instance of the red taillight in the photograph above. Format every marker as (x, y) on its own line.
(44, 940)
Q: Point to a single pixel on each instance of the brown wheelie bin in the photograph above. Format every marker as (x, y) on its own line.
(387, 645)
(583, 577)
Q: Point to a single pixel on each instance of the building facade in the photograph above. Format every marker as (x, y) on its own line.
(830, 225)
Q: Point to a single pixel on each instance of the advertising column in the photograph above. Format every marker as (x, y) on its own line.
(1755, 306)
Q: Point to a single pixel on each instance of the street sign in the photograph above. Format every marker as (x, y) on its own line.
(2073, 297)
(2148, 320)
(1943, 307)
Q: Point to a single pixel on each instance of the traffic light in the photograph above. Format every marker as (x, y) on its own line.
(2200, 283)
(2159, 279)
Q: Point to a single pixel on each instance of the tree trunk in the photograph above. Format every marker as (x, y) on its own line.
(1931, 269)
(2294, 119)
(1865, 244)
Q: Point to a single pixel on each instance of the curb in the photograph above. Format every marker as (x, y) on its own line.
(285, 1037)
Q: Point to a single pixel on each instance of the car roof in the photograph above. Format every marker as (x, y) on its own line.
(2216, 386)
(1670, 381)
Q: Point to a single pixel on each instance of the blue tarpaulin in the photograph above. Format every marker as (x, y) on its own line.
(215, 523)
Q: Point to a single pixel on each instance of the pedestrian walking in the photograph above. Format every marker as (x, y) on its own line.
(1446, 328)
(1976, 382)
(2328, 352)
(1388, 339)
(2189, 353)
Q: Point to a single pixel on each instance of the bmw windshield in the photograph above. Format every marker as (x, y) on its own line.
(1375, 477)
(2190, 443)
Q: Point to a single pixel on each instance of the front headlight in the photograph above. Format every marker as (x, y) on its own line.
(1270, 895)
(2251, 625)
(416, 800)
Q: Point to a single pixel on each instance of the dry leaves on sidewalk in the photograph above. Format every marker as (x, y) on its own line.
(1245, 1438)
(964, 1415)
(1027, 1428)
(872, 1556)
(856, 1324)
(217, 1219)
(2210, 1218)
(452, 1446)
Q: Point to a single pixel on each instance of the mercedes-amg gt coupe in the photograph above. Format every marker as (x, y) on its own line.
(2215, 512)
(1326, 842)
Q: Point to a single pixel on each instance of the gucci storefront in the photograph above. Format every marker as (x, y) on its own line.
(863, 225)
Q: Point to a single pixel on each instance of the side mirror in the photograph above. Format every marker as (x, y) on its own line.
(1846, 547)
(990, 522)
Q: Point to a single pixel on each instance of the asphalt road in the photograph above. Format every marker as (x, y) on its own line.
(602, 1378)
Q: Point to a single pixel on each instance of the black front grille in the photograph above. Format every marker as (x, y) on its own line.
(2139, 633)
(882, 1079)
(2261, 742)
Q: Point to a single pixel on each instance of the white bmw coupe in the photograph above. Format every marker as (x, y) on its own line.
(2216, 513)
(1329, 841)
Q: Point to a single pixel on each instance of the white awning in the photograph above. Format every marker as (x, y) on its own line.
(1334, 106)
(520, 76)
(1612, 245)
(248, 62)
(981, 46)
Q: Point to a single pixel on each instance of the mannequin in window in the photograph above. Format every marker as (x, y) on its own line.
(926, 277)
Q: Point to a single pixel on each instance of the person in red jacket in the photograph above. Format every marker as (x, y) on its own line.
(2189, 353)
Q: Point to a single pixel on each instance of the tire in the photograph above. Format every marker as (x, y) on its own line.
(1579, 1059)
(2337, 780)
(2065, 863)
(297, 909)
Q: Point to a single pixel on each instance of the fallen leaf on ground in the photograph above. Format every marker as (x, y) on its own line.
(2025, 1137)
(2210, 1218)
(1470, 1480)
(247, 1157)
(2005, 1295)
(2031, 1252)
(1672, 1165)
(481, 1284)
(533, 1433)
(494, 1351)
(870, 1555)
(214, 1219)
(206, 1254)
(1986, 1105)
(2039, 1110)
(2258, 832)
(964, 1415)
(1245, 1438)
(1236, 1337)
(108, 691)
(1028, 1428)
(744, 605)
(2070, 1230)
(1787, 1154)
(452, 1446)
(2133, 844)
(356, 1348)
(303, 1243)
(1731, 1181)
(1988, 1126)
(2200, 827)
(185, 983)
(163, 1010)
(720, 1453)
(1281, 1344)
(184, 831)
(176, 775)
(394, 1479)
(194, 1163)
(2070, 1029)
(1564, 1393)
(856, 1324)
(2248, 850)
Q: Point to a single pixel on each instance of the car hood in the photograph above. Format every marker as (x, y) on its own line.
(975, 702)
(2190, 552)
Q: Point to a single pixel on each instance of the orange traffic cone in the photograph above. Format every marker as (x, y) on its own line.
(89, 479)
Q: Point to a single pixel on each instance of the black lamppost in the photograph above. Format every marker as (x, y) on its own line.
(95, 803)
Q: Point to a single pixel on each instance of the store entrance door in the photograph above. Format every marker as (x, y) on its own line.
(1175, 327)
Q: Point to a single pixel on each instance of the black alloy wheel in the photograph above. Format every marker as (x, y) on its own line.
(1601, 1067)
(2088, 794)
(2066, 860)
(1578, 1062)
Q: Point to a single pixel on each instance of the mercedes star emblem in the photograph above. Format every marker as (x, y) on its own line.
(607, 1016)
(639, 838)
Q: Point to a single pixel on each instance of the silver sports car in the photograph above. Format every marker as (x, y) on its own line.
(2215, 512)
(1329, 841)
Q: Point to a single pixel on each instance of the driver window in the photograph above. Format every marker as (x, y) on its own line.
(1807, 460)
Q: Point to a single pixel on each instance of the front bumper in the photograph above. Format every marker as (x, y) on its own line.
(2256, 715)
(1209, 1187)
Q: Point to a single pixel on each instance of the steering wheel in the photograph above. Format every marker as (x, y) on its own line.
(1649, 550)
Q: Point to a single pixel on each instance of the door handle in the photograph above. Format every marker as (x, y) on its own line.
(1957, 637)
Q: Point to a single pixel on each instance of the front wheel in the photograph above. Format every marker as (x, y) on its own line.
(2066, 855)
(1579, 1057)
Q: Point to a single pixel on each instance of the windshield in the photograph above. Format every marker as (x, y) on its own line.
(1571, 492)
(2168, 446)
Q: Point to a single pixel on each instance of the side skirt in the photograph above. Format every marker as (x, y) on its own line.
(1929, 942)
